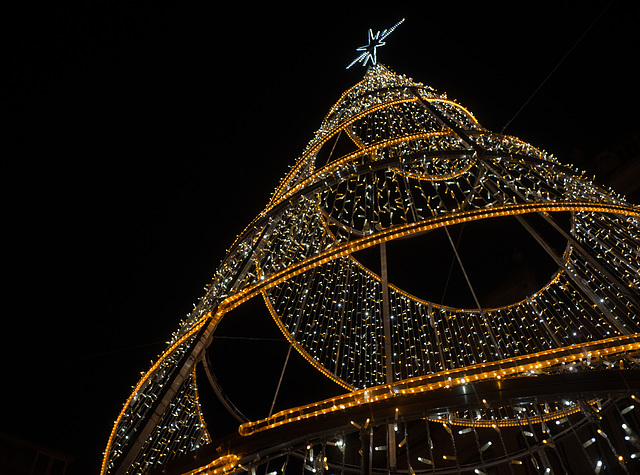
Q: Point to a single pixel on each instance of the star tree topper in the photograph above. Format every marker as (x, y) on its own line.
(375, 41)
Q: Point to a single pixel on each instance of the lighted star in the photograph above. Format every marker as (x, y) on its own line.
(375, 41)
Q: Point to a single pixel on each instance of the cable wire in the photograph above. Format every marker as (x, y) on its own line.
(556, 67)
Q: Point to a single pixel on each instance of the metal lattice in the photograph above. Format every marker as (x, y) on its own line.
(394, 159)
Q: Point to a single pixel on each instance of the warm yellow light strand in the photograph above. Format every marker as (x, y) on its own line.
(504, 368)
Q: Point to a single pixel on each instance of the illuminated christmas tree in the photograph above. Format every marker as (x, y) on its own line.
(517, 381)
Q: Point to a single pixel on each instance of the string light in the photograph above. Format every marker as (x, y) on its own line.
(419, 161)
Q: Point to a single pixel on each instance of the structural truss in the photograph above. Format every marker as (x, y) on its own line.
(542, 384)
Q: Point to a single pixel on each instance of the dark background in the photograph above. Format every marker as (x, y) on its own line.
(143, 136)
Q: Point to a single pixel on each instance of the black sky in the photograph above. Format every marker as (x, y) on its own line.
(146, 135)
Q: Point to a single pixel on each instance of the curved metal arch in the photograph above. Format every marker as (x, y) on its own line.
(323, 180)
(202, 331)
(224, 399)
(291, 441)
(317, 145)
(310, 359)
(253, 235)
(366, 79)
(500, 372)
(328, 175)
(415, 97)
(246, 294)
(389, 234)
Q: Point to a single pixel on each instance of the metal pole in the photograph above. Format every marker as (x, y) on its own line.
(284, 367)
(484, 317)
(388, 355)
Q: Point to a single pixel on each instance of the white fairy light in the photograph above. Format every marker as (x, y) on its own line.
(375, 41)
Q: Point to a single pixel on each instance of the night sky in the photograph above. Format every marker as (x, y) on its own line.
(145, 135)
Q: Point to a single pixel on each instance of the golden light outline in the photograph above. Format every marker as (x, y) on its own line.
(391, 74)
(316, 174)
(315, 363)
(168, 352)
(344, 249)
(224, 464)
(324, 370)
(348, 91)
(428, 224)
(329, 168)
(344, 125)
(448, 308)
(318, 145)
(446, 379)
